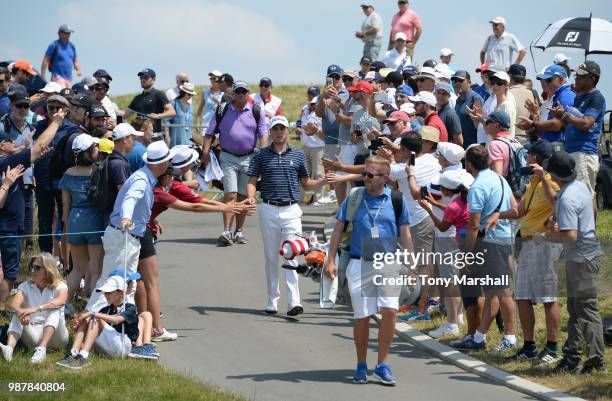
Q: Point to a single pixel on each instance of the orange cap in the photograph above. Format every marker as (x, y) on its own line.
(24, 65)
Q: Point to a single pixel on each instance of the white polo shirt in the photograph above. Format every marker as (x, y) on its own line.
(34, 297)
(500, 51)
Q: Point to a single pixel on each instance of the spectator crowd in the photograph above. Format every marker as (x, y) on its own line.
(413, 152)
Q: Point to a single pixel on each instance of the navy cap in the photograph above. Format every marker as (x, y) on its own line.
(541, 148)
(96, 110)
(461, 74)
(517, 70)
(410, 71)
(121, 273)
(588, 67)
(366, 60)
(552, 71)
(240, 85)
(265, 81)
(500, 117)
(65, 28)
(430, 63)
(102, 74)
(334, 69)
(227, 79)
(313, 90)
(84, 101)
(147, 72)
(561, 166)
(377, 65)
(68, 93)
(19, 98)
(394, 78)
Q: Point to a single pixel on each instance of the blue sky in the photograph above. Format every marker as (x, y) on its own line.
(289, 41)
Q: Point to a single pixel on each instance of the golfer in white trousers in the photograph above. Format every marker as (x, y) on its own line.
(282, 169)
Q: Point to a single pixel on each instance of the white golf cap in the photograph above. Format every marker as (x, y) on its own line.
(183, 156)
(122, 130)
(367, 4)
(112, 283)
(282, 120)
(446, 52)
(215, 73)
(408, 108)
(83, 142)
(400, 35)
(452, 179)
(503, 75)
(426, 72)
(424, 97)
(560, 58)
(157, 153)
(51, 87)
(443, 71)
(451, 152)
(498, 20)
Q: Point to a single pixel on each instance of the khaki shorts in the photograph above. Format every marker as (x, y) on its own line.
(587, 167)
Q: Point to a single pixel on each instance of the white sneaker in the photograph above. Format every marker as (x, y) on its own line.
(7, 352)
(164, 336)
(69, 310)
(40, 354)
(460, 320)
(446, 329)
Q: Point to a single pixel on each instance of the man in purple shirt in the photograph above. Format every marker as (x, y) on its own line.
(240, 125)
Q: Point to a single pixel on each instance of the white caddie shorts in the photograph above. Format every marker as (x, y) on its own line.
(365, 306)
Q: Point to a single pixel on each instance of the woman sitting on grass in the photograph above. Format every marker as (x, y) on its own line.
(38, 309)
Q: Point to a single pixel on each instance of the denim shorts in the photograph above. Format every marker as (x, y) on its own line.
(10, 249)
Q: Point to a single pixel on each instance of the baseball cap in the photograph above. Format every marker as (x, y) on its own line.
(276, 120)
(24, 65)
(120, 272)
(443, 71)
(113, 283)
(147, 72)
(106, 146)
(400, 35)
(483, 68)
(366, 60)
(498, 20)
(367, 4)
(561, 58)
(84, 101)
(410, 71)
(370, 76)
(561, 166)
(215, 73)
(446, 52)
(241, 85)
(334, 69)
(408, 108)
(588, 67)
(429, 133)
(427, 72)
(397, 116)
(313, 90)
(394, 78)
(453, 179)
(83, 142)
(350, 73)
(96, 110)
(101, 81)
(67, 93)
(58, 99)
(461, 74)
(517, 70)
(430, 63)
(451, 152)
(377, 65)
(265, 81)
(123, 130)
(102, 74)
(227, 79)
(544, 149)
(51, 87)
(424, 97)
(503, 75)
(445, 86)
(500, 117)
(363, 86)
(65, 28)
(19, 98)
(552, 71)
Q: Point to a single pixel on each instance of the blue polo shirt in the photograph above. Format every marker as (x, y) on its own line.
(483, 92)
(11, 131)
(12, 214)
(280, 173)
(5, 103)
(362, 222)
(484, 196)
(61, 55)
(134, 156)
(469, 130)
(564, 96)
(590, 104)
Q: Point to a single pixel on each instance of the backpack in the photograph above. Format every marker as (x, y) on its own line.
(6, 123)
(57, 166)
(54, 53)
(354, 200)
(518, 159)
(99, 191)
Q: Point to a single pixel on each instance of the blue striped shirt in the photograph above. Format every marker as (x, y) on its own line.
(280, 173)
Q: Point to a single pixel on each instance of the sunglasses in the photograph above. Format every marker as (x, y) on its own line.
(402, 96)
(367, 174)
(457, 80)
(2, 81)
(34, 267)
(184, 81)
(22, 106)
(100, 88)
(264, 86)
(240, 92)
(53, 108)
(422, 79)
(498, 83)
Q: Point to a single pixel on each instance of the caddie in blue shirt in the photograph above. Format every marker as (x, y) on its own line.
(374, 218)
(60, 57)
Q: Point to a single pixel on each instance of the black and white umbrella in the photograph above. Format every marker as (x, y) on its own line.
(592, 35)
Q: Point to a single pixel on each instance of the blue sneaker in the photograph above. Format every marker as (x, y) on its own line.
(383, 373)
(361, 374)
(415, 315)
(152, 349)
(469, 344)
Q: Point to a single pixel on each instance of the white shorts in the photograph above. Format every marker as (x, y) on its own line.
(112, 343)
(365, 306)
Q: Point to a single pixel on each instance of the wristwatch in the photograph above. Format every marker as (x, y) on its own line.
(40, 308)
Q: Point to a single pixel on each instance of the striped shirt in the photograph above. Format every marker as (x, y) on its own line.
(280, 173)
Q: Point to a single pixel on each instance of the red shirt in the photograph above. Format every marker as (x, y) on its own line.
(434, 121)
(162, 200)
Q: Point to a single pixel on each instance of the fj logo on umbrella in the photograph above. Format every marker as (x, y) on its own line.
(572, 36)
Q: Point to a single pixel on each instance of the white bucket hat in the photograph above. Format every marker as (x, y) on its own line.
(157, 153)
(183, 156)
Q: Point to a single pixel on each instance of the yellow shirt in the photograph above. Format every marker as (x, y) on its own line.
(537, 207)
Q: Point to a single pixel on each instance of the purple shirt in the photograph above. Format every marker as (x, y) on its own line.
(239, 130)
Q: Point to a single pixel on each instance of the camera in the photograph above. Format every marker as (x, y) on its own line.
(526, 170)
